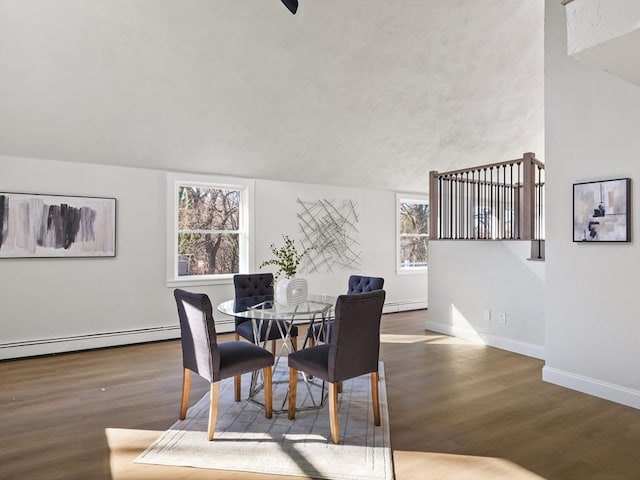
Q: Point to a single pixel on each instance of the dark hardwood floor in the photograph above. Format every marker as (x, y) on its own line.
(457, 411)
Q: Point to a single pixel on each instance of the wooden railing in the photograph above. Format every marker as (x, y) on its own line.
(500, 201)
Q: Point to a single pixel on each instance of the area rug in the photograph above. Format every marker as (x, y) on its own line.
(247, 441)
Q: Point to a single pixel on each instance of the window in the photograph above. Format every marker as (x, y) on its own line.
(413, 233)
(209, 235)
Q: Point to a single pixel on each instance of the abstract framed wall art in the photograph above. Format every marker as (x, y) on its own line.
(601, 211)
(35, 225)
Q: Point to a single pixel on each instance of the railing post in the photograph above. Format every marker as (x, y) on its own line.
(434, 210)
(527, 206)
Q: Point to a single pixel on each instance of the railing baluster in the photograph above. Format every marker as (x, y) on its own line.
(511, 202)
(451, 208)
(497, 233)
(460, 212)
(466, 208)
(482, 212)
(439, 213)
(454, 207)
(476, 212)
(517, 215)
(445, 206)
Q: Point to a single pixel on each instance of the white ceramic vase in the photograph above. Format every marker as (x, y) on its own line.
(291, 291)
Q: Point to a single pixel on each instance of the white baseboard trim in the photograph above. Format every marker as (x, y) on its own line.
(404, 306)
(516, 346)
(592, 386)
(30, 348)
(47, 346)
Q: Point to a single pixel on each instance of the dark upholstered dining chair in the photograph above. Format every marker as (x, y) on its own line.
(252, 289)
(213, 361)
(356, 284)
(353, 350)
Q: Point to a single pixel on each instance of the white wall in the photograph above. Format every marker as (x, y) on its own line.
(61, 304)
(606, 34)
(592, 22)
(592, 302)
(276, 210)
(469, 278)
(52, 299)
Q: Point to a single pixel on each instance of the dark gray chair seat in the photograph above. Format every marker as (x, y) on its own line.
(313, 361)
(213, 361)
(237, 358)
(245, 330)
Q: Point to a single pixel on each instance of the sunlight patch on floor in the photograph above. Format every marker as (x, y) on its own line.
(427, 337)
(445, 466)
(125, 445)
(395, 338)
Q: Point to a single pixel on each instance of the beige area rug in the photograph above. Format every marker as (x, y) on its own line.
(247, 441)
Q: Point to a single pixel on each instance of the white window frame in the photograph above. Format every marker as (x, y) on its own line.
(400, 199)
(247, 244)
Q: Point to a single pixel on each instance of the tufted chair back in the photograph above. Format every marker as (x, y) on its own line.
(355, 336)
(251, 289)
(354, 350)
(359, 284)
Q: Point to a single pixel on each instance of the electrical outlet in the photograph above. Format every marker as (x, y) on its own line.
(486, 315)
(502, 318)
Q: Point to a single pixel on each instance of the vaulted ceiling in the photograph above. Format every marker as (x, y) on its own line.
(355, 93)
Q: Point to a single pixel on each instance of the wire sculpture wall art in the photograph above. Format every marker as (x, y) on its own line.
(330, 229)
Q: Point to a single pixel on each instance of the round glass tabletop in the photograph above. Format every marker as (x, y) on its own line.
(264, 307)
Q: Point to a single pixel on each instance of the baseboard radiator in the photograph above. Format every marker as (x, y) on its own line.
(47, 346)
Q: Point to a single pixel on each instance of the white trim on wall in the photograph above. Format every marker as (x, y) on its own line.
(47, 346)
(592, 386)
(515, 346)
(404, 306)
(224, 324)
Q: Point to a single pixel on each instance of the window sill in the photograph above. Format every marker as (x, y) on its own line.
(186, 282)
(412, 271)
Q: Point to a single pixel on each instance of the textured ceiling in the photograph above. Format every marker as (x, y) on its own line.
(355, 93)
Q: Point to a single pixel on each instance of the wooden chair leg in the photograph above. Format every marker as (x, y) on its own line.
(273, 347)
(333, 412)
(237, 386)
(375, 397)
(293, 391)
(268, 392)
(311, 342)
(186, 387)
(213, 411)
(237, 337)
(339, 387)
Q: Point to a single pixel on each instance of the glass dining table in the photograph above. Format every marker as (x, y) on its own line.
(315, 309)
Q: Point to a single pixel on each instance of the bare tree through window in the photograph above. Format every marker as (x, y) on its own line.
(208, 230)
(414, 233)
